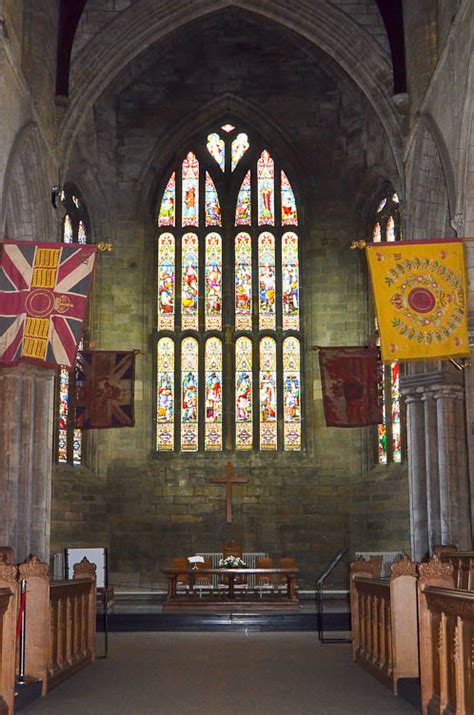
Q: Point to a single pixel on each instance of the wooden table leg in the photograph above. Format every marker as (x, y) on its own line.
(291, 585)
(231, 586)
(172, 585)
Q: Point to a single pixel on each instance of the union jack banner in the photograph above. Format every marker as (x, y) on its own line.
(104, 384)
(43, 299)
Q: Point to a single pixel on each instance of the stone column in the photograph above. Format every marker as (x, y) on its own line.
(417, 476)
(26, 421)
(432, 471)
(452, 458)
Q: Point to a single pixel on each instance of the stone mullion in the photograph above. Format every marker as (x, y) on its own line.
(42, 461)
(432, 469)
(453, 478)
(417, 476)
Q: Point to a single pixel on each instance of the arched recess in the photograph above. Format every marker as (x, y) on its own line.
(224, 108)
(464, 216)
(27, 212)
(144, 24)
(431, 183)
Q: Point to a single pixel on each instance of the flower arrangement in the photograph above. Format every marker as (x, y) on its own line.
(232, 562)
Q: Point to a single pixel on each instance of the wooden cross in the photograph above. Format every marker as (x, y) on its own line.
(228, 480)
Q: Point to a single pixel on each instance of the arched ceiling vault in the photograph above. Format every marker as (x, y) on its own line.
(146, 23)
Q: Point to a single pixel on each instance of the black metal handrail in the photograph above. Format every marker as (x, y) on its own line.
(320, 581)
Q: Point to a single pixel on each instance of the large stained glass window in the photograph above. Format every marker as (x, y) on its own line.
(243, 394)
(386, 227)
(165, 395)
(228, 347)
(69, 441)
(189, 394)
(213, 404)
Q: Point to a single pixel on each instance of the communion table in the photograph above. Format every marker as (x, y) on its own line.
(231, 595)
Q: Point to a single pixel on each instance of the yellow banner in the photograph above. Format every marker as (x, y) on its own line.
(420, 299)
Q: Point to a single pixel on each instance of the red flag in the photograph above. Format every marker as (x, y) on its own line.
(105, 382)
(351, 379)
(43, 300)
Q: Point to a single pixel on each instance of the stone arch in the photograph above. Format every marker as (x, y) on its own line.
(464, 216)
(431, 182)
(27, 209)
(144, 24)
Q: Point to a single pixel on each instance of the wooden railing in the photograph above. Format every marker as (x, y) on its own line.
(8, 612)
(384, 617)
(446, 631)
(7, 638)
(73, 624)
(462, 563)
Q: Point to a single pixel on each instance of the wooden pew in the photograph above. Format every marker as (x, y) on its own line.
(462, 563)
(8, 611)
(384, 620)
(446, 622)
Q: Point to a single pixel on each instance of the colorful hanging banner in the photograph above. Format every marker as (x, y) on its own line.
(104, 383)
(351, 383)
(43, 300)
(420, 298)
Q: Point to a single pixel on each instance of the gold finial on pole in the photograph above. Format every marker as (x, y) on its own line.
(358, 244)
(104, 247)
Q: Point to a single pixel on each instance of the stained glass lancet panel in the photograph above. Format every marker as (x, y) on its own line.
(289, 215)
(190, 203)
(243, 282)
(268, 394)
(266, 189)
(239, 147)
(396, 426)
(166, 281)
(190, 282)
(165, 396)
(166, 217)
(377, 235)
(243, 210)
(213, 209)
(391, 229)
(81, 233)
(382, 428)
(67, 230)
(243, 394)
(189, 394)
(63, 416)
(213, 304)
(291, 394)
(266, 281)
(290, 281)
(213, 404)
(216, 148)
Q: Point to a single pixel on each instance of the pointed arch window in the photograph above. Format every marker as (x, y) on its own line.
(386, 227)
(228, 351)
(68, 440)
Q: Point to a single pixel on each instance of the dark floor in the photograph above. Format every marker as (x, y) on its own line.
(222, 674)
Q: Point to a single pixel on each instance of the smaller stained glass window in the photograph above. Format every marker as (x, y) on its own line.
(291, 394)
(190, 282)
(213, 309)
(77, 447)
(266, 189)
(67, 230)
(243, 282)
(266, 281)
(189, 394)
(381, 205)
(391, 229)
(239, 147)
(290, 281)
(166, 217)
(227, 128)
(289, 216)
(213, 209)
(216, 148)
(395, 198)
(213, 404)
(243, 213)
(166, 281)
(63, 417)
(165, 396)
(76, 202)
(377, 237)
(243, 394)
(396, 424)
(190, 204)
(268, 394)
